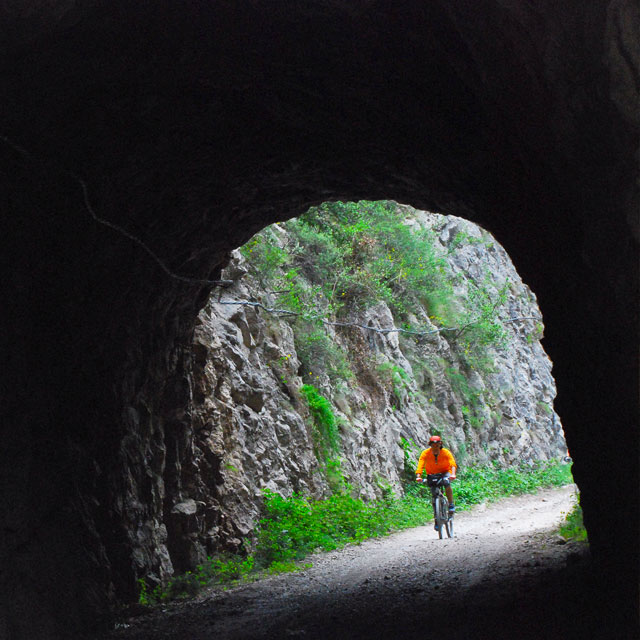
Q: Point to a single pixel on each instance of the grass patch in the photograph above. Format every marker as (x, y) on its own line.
(225, 569)
(295, 527)
(573, 527)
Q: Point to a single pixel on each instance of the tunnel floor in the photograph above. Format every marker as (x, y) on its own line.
(505, 574)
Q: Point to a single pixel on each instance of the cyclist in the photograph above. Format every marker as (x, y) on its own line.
(437, 459)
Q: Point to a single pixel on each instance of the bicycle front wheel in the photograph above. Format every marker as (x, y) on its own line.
(437, 515)
(444, 516)
(449, 526)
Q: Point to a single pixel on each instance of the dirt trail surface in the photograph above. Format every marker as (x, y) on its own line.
(505, 574)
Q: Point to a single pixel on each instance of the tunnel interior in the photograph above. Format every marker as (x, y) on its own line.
(189, 128)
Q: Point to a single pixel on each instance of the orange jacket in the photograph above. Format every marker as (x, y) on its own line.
(429, 463)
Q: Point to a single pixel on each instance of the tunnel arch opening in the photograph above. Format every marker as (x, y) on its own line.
(280, 333)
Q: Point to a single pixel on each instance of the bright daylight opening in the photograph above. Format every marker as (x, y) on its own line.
(349, 337)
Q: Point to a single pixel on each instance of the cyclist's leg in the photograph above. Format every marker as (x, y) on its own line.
(449, 493)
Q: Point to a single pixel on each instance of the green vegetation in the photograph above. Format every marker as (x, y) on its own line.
(482, 328)
(490, 482)
(325, 433)
(463, 238)
(397, 377)
(573, 526)
(319, 354)
(344, 257)
(473, 398)
(471, 419)
(295, 527)
(536, 334)
(220, 570)
(544, 406)
(335, 478)
(371, 256)
(263, 250)
(411, 453)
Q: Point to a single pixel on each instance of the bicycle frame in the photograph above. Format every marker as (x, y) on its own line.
(440, 504)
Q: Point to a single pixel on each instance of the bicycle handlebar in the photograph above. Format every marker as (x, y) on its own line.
(420, 479)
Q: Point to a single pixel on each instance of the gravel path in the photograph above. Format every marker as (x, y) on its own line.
(503, 575)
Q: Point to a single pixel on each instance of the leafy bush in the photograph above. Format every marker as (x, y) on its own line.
(264, 255)
(354, 255)
(381, 258)
(335, 477)
(395, 375)
(294, 527)
(490, 482)
(573, 526)
(220, 570)
(411, 454)
(319, 354)
(480, 325)
(326, 434)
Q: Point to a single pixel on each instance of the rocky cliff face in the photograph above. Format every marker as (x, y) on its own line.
(252, 428)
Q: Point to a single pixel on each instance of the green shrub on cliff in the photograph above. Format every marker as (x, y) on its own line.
(319, 355)
(372, 256)
(264, 255)
(344, 257)
(326, 434)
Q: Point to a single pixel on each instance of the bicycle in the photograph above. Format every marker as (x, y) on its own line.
(441, 514)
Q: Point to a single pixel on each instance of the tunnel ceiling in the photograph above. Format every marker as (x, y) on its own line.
(143, 141)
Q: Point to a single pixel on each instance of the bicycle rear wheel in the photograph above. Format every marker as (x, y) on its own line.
(449, 526)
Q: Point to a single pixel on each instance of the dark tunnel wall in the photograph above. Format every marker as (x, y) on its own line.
(192, 125)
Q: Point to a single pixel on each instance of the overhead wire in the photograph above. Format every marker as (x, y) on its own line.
(287, 312)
